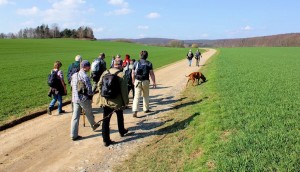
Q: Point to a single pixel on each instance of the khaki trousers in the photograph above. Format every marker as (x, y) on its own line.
(141, 87)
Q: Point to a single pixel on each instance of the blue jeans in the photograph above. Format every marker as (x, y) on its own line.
(190, 62)
(56, 97)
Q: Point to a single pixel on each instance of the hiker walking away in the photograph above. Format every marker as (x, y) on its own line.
(197, 57)
(82, 99)
(112, 61)
(190, 56)
(97, 68)
(57, 88)
(126, 62)
(140, 75)
(128, 74)
(113, 97)
(73, 68)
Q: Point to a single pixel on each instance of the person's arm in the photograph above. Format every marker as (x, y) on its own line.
(60, 74)
(124, 91)
(152, 78)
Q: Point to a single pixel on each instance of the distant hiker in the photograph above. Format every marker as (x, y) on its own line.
(112, 61)
(73, 68)
(82, 99)
(197, 57)
(190, 56)
(128, 74)
(140, 75)
(113, 97)
(126, 62)
(97, 68)
(57, 87)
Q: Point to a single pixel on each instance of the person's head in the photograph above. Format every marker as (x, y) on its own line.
(102, 55)
(78, 58)
(144, 54)
(85, 65)
(118, 56)
(117, 63)
(57, 65)
(131, 62)
(127, 56)
(190, 50)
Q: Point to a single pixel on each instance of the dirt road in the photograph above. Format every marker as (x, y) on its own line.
(44, 144)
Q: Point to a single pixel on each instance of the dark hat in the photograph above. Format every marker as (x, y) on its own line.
(85, 63)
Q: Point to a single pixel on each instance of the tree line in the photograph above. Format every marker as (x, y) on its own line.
(44, 31)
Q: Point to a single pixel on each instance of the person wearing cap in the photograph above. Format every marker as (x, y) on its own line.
(82, 99)
(114, 105)
(74, 67)
(142, 69)
(190, 56)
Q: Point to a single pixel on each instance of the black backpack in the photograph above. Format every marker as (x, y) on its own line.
(110, 85)
(53, 79)
(73, 70)
(128, 76)
(141, 71)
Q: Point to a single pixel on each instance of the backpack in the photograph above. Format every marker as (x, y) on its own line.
(53, 79)
(95, 69)
(73, 70)
(110, 85)
(197, 55)
(141, 71)
(128, 76)
(190, 55)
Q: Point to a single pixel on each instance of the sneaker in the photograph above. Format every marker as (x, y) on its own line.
(106, 144)
(134, 114)
(49, 111)
(95, 126)
(77, 138)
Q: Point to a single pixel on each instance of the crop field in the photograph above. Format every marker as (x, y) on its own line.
(245, 118)
(26, 64)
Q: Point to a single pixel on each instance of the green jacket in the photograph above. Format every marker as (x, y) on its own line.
(122, 99)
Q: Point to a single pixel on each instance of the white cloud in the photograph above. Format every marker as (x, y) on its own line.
(5, 2)
(29, 11)
(247, 28)
(99, 29)
(143, 27)
(122, 11)
(142, 36)
(204, 35)
(123, 8)
(121, 3)
(153, 15)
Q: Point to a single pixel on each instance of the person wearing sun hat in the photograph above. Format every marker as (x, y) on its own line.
(82, 95)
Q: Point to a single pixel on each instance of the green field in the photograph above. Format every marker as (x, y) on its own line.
(245, 118)
(26, 64)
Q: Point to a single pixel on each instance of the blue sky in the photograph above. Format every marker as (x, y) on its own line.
(185, 19)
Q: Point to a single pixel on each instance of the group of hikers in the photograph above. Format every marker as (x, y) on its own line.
(190, 56)
(113, 84)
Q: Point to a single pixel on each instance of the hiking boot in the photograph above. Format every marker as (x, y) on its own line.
(124, 133)
(95, 126)
(134, 114)
(49, 111)
(77, 138)
(61, 112)
(106, 144)
(148, 111)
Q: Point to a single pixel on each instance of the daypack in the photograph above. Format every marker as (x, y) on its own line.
(128, 76)
(190, 55)
(197, 55)
(141, 71)
(110, 85)
(73, 70)
(95, 69)
(53, 79)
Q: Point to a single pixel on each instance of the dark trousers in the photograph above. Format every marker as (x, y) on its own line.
(131, 87)
(105, 126)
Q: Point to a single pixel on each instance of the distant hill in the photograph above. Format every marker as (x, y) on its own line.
(281, 40)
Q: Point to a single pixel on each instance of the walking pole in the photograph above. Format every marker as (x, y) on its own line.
(83, 116)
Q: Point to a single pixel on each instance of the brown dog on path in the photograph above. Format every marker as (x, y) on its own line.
(195, 76)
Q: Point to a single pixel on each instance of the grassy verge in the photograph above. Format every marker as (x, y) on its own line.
(27, 63)
(245, 118)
